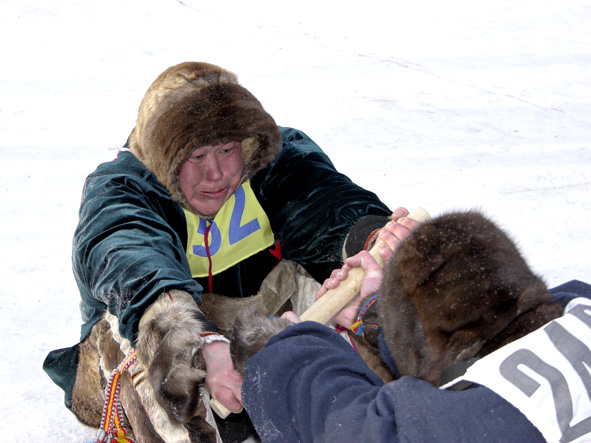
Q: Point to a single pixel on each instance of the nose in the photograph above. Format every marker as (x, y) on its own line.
(213, 168)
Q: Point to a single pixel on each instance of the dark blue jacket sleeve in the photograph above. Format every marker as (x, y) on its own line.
(308, 385)
(129, 246)
(311, 206)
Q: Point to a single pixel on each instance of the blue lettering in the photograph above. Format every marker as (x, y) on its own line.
(216, 239)
(238, 232)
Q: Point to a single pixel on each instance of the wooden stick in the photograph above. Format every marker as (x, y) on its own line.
(327, 306)
(219, 408)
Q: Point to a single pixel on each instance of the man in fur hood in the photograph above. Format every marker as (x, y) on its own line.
(207, 198)
(482, 351)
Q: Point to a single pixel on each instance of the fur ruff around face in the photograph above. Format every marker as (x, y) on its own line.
(197, 104)
(455, 289)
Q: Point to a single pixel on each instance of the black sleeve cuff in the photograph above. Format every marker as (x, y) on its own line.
(361, 235)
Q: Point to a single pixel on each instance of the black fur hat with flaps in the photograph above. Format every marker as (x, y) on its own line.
(457, 288)
(197, 104)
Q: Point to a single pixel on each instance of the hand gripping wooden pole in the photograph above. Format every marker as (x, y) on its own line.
(327, 306)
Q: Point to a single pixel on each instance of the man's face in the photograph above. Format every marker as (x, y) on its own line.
(211, 175)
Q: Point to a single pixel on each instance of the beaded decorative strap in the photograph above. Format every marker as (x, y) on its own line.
(359, 326)
(112, 410)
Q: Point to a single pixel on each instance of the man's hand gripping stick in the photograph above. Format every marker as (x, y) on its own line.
(327, 306)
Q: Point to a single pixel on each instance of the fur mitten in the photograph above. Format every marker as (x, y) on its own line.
(169, 340)
(251, 331)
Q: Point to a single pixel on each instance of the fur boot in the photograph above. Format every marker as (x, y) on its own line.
(88, 394)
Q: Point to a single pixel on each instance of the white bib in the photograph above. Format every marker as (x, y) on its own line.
(546, 375)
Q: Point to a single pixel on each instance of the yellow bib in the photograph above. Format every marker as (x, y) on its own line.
(240, 229)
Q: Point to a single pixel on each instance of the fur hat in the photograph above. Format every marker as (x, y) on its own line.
(457, 288)
(197, 104)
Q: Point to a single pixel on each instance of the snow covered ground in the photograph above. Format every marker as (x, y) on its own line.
(447, 105)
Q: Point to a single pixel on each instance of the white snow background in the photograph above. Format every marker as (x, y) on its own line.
(440, 104)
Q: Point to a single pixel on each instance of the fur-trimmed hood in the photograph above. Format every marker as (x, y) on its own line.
(455, 289)
(196, 104)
